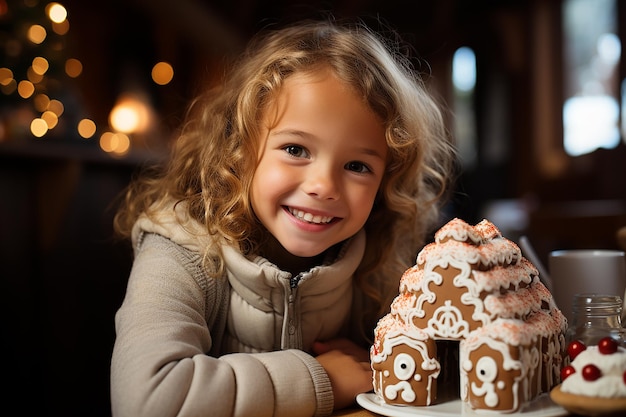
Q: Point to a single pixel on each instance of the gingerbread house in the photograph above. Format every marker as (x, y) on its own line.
(473, 293)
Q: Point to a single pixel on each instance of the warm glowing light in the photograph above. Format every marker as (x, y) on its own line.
(73, 67)
(36, 34)
(162, 73)
(25, 89)
(56, 107)
(41, 102)
(106, 141)
(61, 28)
(115, 143)
(38, 127)
(56, 12)
(32, 76)
(86, 128)
(40, 65)
(6, 75)
(50, 118)
(9, 88)
(130, 115)
(124, 118)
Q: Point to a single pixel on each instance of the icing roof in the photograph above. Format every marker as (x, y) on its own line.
(461, 231)
(481, 244)
(517, 332)
(502, 286)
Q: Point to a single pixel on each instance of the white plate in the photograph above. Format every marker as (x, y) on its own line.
(540, 407)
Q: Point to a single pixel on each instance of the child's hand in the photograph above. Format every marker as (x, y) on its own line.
(348, 368)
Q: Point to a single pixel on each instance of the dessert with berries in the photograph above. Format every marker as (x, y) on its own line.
(594, 382)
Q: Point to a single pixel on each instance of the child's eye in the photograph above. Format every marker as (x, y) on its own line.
(357, 167)
(297, 151)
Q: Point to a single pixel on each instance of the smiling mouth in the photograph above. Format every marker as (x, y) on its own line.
(308, 217)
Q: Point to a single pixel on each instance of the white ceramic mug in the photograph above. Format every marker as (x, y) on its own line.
(593, 271)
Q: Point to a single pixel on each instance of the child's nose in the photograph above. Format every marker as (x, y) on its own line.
(322, 184)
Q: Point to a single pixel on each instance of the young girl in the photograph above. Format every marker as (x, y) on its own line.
(297, 194)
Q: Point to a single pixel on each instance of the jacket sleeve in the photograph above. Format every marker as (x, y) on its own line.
(160, 365)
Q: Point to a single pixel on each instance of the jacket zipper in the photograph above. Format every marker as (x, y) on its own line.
(290, 340)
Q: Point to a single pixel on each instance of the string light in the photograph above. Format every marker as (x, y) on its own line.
(34, 79)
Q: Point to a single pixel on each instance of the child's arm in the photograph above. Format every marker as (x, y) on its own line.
(160, 364)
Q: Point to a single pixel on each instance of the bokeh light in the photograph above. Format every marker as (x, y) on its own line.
(40, 65)
(162, 73)
(25, 89)
(50, 118)
(38, 127)
(117, 144)
(6, 76)
(86, 128)
(56, 12)
(57, 107)
(37, 34)
(130, 114)
(41, 102)
(73, 67)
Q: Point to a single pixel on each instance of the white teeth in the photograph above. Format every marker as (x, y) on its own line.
(308, 217)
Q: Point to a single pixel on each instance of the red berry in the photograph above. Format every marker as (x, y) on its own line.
(624, 377)
(591, 373)
(607, 345)
(574, 348)
(569, 370)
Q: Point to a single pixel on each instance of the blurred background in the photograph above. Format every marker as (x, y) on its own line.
(90, 92)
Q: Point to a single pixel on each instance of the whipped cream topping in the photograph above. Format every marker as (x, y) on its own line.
(610, 384)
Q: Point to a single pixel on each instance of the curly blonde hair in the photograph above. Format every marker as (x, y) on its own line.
(215, 156)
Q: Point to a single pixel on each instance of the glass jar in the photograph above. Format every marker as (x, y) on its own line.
(596, 316)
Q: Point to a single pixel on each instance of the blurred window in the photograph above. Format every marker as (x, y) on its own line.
(592, 51)
(464, 81)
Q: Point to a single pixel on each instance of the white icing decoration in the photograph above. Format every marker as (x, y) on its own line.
(486, 369)
(398, 336)
(501, 385)
(486, 372)
(408, 395)
(488, 390)
(448, 322)
(403, 366)
(508, 363)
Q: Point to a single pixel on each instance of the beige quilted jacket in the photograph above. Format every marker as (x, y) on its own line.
(190, 345)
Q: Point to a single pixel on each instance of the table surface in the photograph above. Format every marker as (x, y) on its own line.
(355, 411)
(358, 411)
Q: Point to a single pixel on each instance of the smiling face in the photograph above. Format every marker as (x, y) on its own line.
(321, 162)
